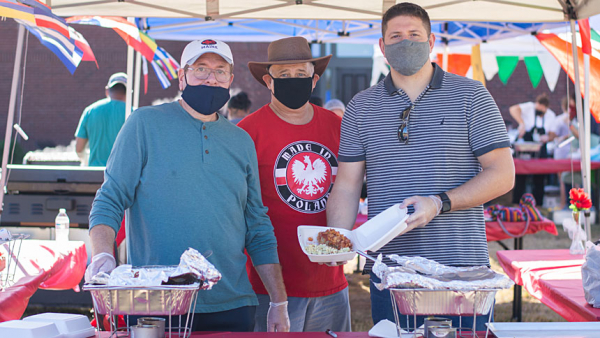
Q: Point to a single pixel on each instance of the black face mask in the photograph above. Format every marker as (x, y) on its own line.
(206, 100)
(539, 112)
(294, 92)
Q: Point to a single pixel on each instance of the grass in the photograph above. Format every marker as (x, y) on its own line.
(360, 302)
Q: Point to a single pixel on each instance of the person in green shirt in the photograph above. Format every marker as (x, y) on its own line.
(101, 122)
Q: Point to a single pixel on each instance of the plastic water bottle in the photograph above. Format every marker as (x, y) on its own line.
(62, 226)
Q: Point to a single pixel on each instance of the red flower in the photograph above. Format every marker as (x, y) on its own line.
(579, 199)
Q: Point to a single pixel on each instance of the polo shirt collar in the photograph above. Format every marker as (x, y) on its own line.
(436, 80)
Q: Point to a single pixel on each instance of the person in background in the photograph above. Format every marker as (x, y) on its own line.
(101, 121)
(296, 144)
(562, 131)
(317, 101)
(238, 107)
(536, 124)
(430, 140)
(189, 178)
(336, 106)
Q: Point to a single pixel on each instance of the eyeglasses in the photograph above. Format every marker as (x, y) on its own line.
(403, 129)
(202, 73)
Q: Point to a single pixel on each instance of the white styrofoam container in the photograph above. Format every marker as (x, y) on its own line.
(69, 325)
(23, 329)
(371, 236)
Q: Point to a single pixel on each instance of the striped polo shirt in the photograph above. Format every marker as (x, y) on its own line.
(453, 121)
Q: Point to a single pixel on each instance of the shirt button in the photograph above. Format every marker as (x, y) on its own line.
(206, 151)
(205, 137)
(203, 127)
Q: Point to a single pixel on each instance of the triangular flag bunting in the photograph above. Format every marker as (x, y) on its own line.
(551, 69)
(476, 67)
(458, 64)
(489, 65)
(534, 70)
(506, 67)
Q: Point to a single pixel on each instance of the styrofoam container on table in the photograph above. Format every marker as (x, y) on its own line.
(29, 329)
(370, 236)
(69, 325)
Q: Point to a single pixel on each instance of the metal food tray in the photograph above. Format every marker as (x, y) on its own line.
(443, 302)
(161, 300)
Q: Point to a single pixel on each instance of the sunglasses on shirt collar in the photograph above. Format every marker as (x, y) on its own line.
(403, 129)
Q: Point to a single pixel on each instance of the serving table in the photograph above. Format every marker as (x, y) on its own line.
(553, 277)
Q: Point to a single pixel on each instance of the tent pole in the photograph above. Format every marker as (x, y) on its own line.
(580, 118)
(11, 112)
(128, 101)
(587, 116)
(136, 88)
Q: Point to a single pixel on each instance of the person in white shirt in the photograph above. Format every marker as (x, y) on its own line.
(536, 123)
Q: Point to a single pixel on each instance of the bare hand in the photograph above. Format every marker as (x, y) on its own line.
(544, 138)
(425, 211)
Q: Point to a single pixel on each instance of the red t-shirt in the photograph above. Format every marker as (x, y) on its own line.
(297, 166)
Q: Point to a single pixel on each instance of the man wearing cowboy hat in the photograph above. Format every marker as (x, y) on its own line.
(297, 144)
(189, 178)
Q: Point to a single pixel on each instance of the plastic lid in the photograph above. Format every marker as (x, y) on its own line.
(381, 229)
(62, 210)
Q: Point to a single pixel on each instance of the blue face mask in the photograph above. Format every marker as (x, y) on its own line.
(206, 100)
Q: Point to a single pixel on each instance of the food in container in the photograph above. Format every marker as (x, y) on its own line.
(193, 268)
(371, 236)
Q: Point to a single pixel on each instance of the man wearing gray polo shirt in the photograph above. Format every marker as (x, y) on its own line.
(432, 140)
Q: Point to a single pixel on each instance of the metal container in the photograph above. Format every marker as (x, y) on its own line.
(160, 322)
(162, 300)
(443, 302)
(435, 321)
(441, 332)
(145, 331)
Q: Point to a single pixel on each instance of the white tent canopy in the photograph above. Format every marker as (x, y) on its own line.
(441, 10)
(209, 10)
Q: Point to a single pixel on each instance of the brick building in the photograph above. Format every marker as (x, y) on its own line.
(53, 99)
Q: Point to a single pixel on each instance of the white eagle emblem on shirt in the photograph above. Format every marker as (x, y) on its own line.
(309, 176)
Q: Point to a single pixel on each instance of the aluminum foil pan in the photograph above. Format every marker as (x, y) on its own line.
(446, 302)
(137, 300)
(422, 273)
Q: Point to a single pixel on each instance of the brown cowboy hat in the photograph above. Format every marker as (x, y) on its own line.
(287, 51)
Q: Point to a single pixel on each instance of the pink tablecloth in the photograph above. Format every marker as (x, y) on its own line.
(493, 230)
(42, 264)
(547, 166)
(553, 277)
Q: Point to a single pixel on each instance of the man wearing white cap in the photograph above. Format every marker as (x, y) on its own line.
(189, 178)
(101, 121)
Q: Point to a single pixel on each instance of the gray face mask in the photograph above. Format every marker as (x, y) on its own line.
(407, 57)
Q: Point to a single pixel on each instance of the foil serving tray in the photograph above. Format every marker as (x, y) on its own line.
(161, 300)
(443, 302)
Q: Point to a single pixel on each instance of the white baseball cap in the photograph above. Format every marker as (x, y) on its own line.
(194, 49)
(117, 78)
